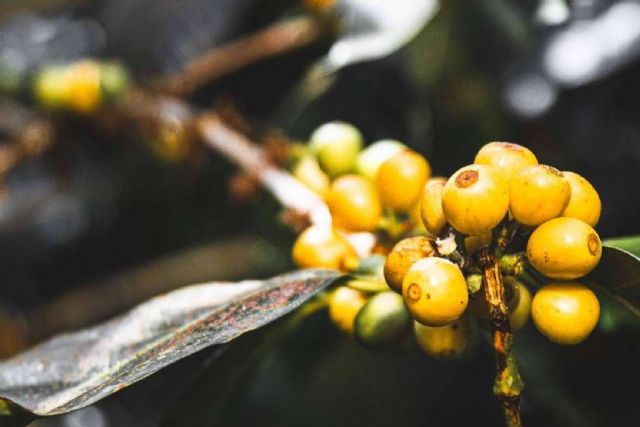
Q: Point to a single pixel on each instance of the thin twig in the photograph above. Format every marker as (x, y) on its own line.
(508, 384)
(220, 61)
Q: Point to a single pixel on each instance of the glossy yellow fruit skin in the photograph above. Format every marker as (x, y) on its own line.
(431, 211)
(566, 313)
(344, 305)
(537, 194)
(308, 172)
(564, 248)
(475, 199)
(320, 246)
(584, 202)
(401, 258)
(382, 321)
(354, 203)
(435, 291)
(473, 244)
(336, 145)
(506, 157)
(372, 157)
(446, 342)
(400, 180)
(519, 316)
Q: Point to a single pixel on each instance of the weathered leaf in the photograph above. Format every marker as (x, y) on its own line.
(618, 276)
(71, 371)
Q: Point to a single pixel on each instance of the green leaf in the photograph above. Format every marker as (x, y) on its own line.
(74, 370)
(618, 274)
(630, 244)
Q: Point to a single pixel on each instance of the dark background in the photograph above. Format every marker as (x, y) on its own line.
(445, 95)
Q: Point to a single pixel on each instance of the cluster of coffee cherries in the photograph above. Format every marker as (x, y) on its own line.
(423, 272)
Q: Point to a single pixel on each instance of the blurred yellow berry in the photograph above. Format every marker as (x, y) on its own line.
(400, 180)
(537, 194)
(354, 203)
(475, 199)
(319, 246)
(564, 248)
(336, 145)
(344, 305)
(435, 291)
(584, 203)
(444, 342)
(565, 312)
(373, 156)
(308, 172)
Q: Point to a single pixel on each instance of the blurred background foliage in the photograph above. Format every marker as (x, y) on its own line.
(98, 206)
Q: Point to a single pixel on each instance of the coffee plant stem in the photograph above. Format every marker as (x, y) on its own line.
(506, 234)
(508, 384)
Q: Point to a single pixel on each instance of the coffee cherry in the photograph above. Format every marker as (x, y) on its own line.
(400, 180)
(435, 291)
(564, 248)
(519, 315)
(475, 199)
(84, 93)
(566, 313)
(51, 87)
(431, 206)
(308, 172)
(336, 145)
(401, 258)
(444, 342)
(584, 203)
(344, 305)
(506, 157)
(473, 244)
(319, 246)
(354, 203)
(372, 157)
(382, 321)
(537, 194)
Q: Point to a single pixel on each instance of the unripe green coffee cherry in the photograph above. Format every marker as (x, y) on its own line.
(373, 156)
(336, 145)
(382, 321)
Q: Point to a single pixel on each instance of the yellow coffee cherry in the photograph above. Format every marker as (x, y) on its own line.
(372, 157)
(320, 246)
(308, 172)
(401, 258)
(431, 206)
(537, 194)
(564, 248)
(336, 145)
(344, 305)
(444, 342)
(475, 199)
(435, 291)
(51, 87)
(584, 203)
(473, 244)
(400, 180)
(508, 158)
(354, 203)
(519, 315)
(566, 313)
(84, 92)
(382, 321)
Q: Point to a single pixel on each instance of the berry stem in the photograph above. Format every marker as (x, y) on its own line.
(508, 384)
(506, 233)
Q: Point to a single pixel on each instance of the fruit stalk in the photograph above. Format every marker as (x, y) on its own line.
(508, 384)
